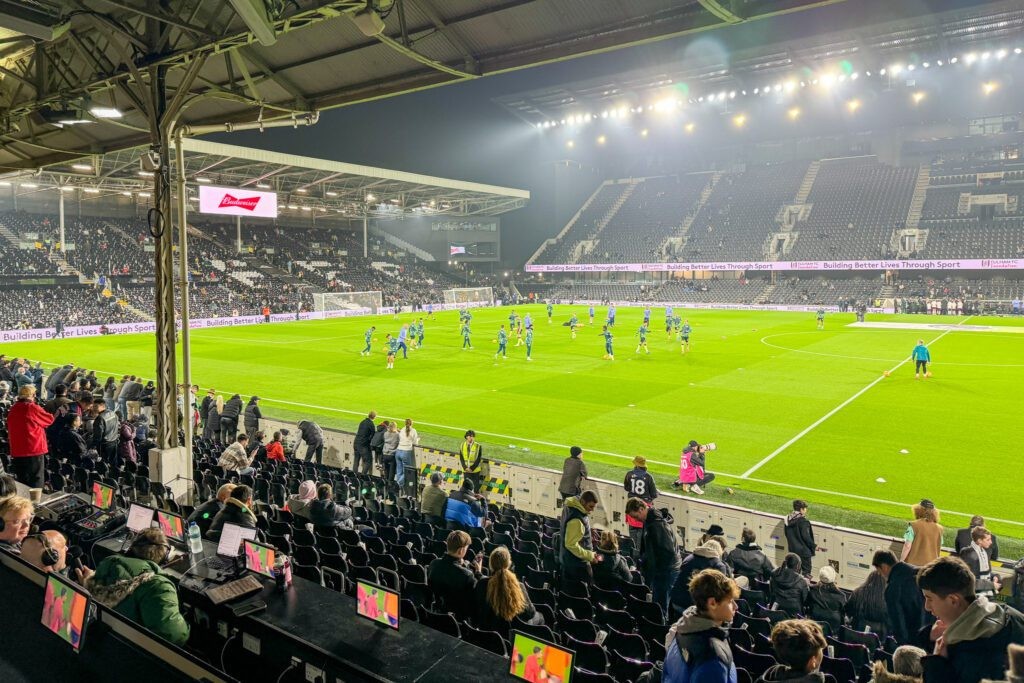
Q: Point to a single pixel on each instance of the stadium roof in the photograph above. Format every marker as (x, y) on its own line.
(870, 39)
(67, 67)
(305, 185)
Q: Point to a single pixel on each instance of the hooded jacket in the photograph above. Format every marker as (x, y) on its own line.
(574, 471)
(697, 651)
(747, 559)
(799, 534)
(232, 408)
(790, 589)
(658, 546)
(252, 414)
(136, 589)
(706, 556)
(234, 512)
(976, 644)
(781, 672)
(329, 513)
(611, 568)
(905, 603)
(311, 433)
(825, 602)
(577, 543)
(26, 429)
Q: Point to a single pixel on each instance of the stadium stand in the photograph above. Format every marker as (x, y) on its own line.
(591, 218)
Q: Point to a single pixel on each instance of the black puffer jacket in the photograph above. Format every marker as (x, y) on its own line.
(252, 414)
(790, 589)
(232, 408)
(750, 561)
(825, 602)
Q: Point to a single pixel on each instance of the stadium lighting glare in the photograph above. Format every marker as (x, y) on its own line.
(604, 114)
(81, 167)
(911, 67)
(789, 86)
(307, 208)
(969, 58)
(93, 190)
(300, 190)
(1016, 50)
(370, 197)
(29, 186)
(202, 180)
(853, 106)
(144, 194)
(881, 72)
(331, 193)
(292, 206)
(854, 76)
(690, 127)
(793, 113)
(925, 64)
(743, 92)
(938, 62)
(643, 133)
(757, 90)
(4, 183)
(263, 186)
(106, 112)
(66, 188)
(623, 112)
(570, 144)
(562, 122)
(989, 87)
(739, 120)
(127, 194)
(601, 139)
(895, 69)
(917, 97)
(828, 80)
(732, 95)
(701, 98)
(146, 174)
(985, 55)
(1001, 54)
(954, 60)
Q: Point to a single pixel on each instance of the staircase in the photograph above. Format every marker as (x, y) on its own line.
(137, 311)
(808, 182)
(406, 246)
(57, 259)
(679, 239)
(568, 226)
(917, 200)
(8, 235)
(614, 209)
(119, 230)
(765, 294)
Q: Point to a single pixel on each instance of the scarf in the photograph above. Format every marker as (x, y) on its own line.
(984, 568)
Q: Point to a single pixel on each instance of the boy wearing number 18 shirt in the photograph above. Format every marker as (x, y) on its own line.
(639, 484)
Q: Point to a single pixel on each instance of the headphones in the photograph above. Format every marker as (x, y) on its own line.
(142, 540)
(49, 556)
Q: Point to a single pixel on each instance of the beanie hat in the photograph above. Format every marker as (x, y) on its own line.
(575, 451)
(307, 490)
(827, 574)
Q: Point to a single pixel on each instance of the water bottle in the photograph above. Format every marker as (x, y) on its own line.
(195, 539)
(287, 572)
(279, 573)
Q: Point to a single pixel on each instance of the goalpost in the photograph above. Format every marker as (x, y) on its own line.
(347, 301)
(469, 295)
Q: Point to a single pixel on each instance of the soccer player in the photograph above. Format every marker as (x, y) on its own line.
(668, 322)
(921, 357)
(465, 336)
(591, 314)
(528, 323)
(647, 316)
(512, 320)
(403, 334)
(611, 315)
(529, 343)
(419, 333)
(573, 324)
(642, 333)
(430, 311)
(391, 347)
(368, 337)
(609, 354)
(684, 337)
(519, 332)
(821, 317)
(502, 343)
(550, 310)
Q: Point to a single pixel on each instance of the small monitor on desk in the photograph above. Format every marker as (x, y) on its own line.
(65, 609)
(231, 537)
(172, 525)
(140, 518)
(102, 495)
(377, 603)
(259, 558)
(531, 657)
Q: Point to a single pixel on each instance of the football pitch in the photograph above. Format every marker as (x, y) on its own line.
(795, 411)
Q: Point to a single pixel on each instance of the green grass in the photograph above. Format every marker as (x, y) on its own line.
(752, 382)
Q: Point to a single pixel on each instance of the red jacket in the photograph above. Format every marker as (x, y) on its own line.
(26, 428)
(275, 451)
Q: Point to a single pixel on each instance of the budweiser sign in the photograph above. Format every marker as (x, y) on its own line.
(231, 201)
(247, 203)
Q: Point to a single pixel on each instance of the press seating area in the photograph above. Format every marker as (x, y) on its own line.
(654, 212)
(740, 213)
(585, 226)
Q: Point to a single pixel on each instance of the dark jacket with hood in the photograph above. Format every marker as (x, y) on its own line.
(612, 567)
(658, 547)
(825, 602)
(905, 603)
(136, 589)
(697, 650)
(799, 534)
(747, 559)
(790, 589)
(232, 408)
(252, 414)
(234, 512)
(365, 432)
(311, 433)
(781, 672)
(976, 644)
(574, 471)
(329, 513)
(706, 556)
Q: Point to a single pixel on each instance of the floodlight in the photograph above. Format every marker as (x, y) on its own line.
(601, 139)
(81, 167)
(917, 97)
(643, 133)
(953, 60)
(989, 87)
(969, 58)
(853, 105)
(106, 112)
(1001, 54)
(202, 180)
(29, 186)
(329, 193)
(739, 120)
(144, 194)
(91, 190)
(985, 55)
(570, 144)
(263, 186)
(370, 197)
(146, 174)
(690, 127)
(895, 69)
(794, 113)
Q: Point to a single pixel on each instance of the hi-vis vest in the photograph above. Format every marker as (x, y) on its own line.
(470, 456)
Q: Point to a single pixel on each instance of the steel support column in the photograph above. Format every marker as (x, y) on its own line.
(366, 237)
(61, 237)
(183, 291)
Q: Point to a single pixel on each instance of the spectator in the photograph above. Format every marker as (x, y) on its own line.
(109, 389)
(453, 579)
(234, 458)
(906, 666)
(867, 608)
(237, 510)
(576, 553)
(963, 538)
(70, 444)
(902, 598)
(433, 500)
(747, 559)
(659, 549)
(229, 418)
(388, 463)
(713, 531)
(17, 515)
(299, 503)
(574, 471)
(105, 432)
(26, 433)
(8, 486)
(463, 511)
(471, 455)
(258, 451)
(613, 567)
(970, 633)
(705, 556)
(211, 428)
(697, 646)
(789, 586)
(500, 598)
(363, 457)
(133, 586)
(976, 557)
(800, 535)
(405, 456)
(639, 484)
(377, 446)
(251, 416)
(131, 397)
(923, 538)
(146, 402)
(204, 514)
(5, 393)
(46, 550)
(275, 449)
(325, 511)
(826, 602)
(799, 646)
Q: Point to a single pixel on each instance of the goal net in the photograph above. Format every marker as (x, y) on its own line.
(347, 301)
(469, 295)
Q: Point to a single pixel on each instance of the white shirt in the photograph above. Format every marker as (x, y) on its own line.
(405, 443)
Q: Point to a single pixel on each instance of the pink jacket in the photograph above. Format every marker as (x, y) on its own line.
(689, 473)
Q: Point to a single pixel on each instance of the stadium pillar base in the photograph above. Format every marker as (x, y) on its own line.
(172, 467)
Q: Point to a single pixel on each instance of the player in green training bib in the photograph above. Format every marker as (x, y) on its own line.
(573, 324)
(609, 354)
(465, 335)
(502, 343)
(821, 318)
(642, 333)
(551, 310)
(391, 347)
(419, 333)
(367, 337)
(529, 343)
(684, 337)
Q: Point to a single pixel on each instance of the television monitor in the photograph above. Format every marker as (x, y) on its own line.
(172, 525)
(377, 603)
(102, 495)
(140, 518)
(259, 558)
(65, 609)
(231, 537)
(538, 660)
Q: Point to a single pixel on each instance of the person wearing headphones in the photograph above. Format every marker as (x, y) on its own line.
(47, 550)
(15, 520)
(133, 586)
